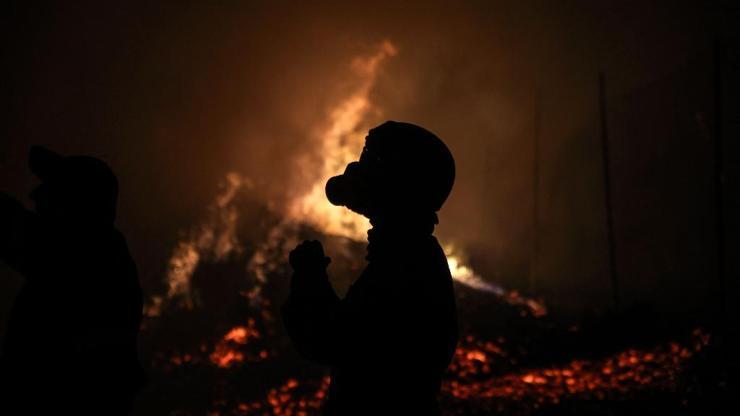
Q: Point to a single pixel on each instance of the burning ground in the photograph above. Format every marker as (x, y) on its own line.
(231, 357)
(215, 345)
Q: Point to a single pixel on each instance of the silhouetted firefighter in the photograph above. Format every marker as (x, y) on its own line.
(70, 346)
(393, 335)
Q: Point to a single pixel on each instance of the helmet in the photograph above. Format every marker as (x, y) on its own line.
(402, 167)
(81, 187)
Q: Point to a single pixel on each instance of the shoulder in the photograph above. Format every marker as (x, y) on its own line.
(427, 265)
(116, 261)
(436, 256)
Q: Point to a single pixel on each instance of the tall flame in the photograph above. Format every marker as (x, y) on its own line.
(339, 145)
(214, 239)
(473, 380)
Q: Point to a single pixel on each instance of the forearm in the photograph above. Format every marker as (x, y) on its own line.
(16, 223)
(310, 316)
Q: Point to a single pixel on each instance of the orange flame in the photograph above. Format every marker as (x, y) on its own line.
(215, 238)
(625, 371)
(227, 352)
(339, 144)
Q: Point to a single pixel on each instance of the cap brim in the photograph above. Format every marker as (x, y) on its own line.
(43, 162)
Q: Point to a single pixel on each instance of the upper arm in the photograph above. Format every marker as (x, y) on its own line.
(18, 232)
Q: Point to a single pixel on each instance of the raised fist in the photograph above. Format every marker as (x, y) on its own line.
(309, 256)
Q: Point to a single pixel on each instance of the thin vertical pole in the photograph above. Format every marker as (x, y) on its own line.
(719, 176)
(534, 255)
(608, 193)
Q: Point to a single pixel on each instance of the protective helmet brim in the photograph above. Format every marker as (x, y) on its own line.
(44, 162)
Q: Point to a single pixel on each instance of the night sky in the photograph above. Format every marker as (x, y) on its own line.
(174, 95)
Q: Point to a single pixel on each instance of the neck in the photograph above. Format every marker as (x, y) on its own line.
(79, 227)
(389, 233)
(400, 225)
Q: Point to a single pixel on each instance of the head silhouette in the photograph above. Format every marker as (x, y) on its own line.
(74, 190)
(404, 171)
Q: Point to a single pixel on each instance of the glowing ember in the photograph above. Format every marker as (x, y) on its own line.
(473, 383)
(224, 356)
(292, 398)
(485, 375)
(629, 371)
(227, 352)
(339, 143)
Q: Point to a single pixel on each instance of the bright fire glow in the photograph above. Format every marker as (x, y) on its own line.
(626, 371)
(214, 239)
(473, 382)
(475, 375)
(339, 143)
(227, 351)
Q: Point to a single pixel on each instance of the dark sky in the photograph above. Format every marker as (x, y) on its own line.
(174, 95)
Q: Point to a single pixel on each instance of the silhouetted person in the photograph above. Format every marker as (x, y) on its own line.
(70, 346)
(390, 339)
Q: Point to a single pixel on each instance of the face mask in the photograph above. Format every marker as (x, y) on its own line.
(350, 189)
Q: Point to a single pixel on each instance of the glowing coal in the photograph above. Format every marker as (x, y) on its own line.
(484, 374)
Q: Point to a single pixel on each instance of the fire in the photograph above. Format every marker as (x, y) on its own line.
(214, 239)
(226, 352)
(224, 357)
(291, 398)
(484, 374)
(238, 335)
(472, 377)
(475, 380)
(339, 144)
(467, 276)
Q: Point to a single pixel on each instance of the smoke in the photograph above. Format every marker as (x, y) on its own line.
(175, 96)
(214, 239)
(335, 145)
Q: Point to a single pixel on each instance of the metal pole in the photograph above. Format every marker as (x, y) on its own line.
(608, 193)
(719, 176)
(533, 270)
